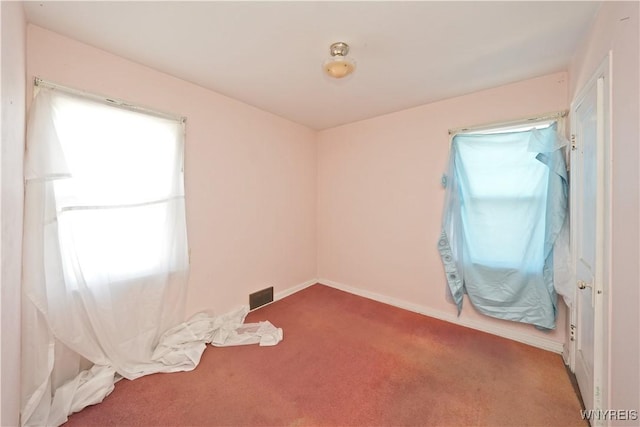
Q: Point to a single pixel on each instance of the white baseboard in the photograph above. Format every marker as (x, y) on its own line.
(535, 341)
(292, 290)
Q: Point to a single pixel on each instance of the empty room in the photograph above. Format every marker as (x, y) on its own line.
(300, 213)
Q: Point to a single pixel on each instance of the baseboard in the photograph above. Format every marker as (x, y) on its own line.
(292, 290)
(539, 342)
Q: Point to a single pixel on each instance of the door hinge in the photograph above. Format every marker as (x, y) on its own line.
(574, 147)
(572, 332)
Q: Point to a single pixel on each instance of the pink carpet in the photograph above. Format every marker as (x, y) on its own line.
(350, 361)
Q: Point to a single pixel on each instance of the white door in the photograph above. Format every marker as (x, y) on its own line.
(589, 213)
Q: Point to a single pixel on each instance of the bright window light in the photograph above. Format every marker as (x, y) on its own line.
(115, 211)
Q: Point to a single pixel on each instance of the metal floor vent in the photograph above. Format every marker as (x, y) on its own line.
(260, 298)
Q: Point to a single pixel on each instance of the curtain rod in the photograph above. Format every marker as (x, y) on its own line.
(525, 120)
(37, 81)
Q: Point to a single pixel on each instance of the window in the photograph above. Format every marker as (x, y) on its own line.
(504, 196)
(118, 206)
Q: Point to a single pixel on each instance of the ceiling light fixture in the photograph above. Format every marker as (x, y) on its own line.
(339, 66)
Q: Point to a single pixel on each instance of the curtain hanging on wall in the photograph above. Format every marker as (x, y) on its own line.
(505, 207)
(92, 294)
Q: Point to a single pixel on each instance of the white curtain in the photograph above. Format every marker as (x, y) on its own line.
(105, 260)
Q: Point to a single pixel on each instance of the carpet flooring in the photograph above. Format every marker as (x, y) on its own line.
(350, 361)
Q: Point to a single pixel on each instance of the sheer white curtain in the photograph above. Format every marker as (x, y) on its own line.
(105, 259)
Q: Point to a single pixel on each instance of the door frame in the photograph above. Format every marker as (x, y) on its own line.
(602, 283)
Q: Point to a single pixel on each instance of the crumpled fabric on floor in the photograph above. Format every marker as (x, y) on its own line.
(179, 349)
(262, 333)
(182, 346)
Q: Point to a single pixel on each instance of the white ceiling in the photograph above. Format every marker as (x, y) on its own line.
(269, 54)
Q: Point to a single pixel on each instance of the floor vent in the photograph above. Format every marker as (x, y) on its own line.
(260, 298)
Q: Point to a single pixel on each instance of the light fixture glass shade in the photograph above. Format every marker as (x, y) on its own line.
(339, 66)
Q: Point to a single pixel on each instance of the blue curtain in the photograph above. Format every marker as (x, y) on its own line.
(506, 202)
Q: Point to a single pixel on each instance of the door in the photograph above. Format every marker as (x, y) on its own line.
(589, 214)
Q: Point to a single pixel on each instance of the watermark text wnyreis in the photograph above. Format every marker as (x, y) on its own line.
(609, 414)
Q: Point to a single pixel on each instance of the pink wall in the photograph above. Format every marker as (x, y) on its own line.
(616, 29)
(250, 175)
(267, 206)
(380, 198)
(13, 132)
